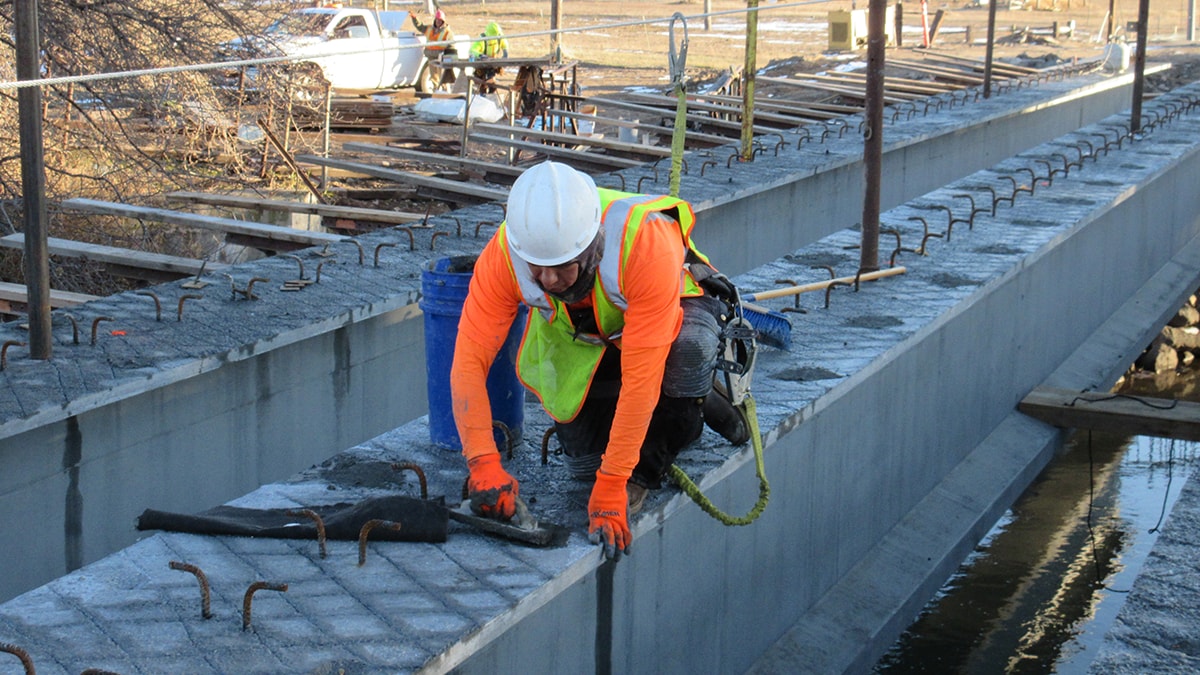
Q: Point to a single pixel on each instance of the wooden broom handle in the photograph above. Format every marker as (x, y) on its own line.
(822, 285)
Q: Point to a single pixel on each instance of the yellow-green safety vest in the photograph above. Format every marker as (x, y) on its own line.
(555, 360)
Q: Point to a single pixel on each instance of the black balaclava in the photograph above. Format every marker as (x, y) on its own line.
(589, 261)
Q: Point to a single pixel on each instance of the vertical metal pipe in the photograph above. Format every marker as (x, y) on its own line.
(327, 133)
(1112, 18)
(1191, 27)
(33, 178)
(873, 134)
(991, 48)
(707, 12)
(1139, 71)
(747, 153)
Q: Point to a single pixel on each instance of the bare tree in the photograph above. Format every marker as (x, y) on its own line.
(134, 138)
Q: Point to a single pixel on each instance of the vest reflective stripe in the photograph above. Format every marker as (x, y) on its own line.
(555, 361)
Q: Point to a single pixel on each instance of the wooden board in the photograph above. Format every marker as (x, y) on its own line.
(1103, 411)
(269, 237)
(174, 266)
(475, 193)
(10, 292)
(653, 151)
(566, 155)
(327, 210)
(453, 161)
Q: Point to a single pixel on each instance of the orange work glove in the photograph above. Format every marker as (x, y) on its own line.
(608, 524)
(492, 491)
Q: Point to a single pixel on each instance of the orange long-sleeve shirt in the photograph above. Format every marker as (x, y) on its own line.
(652, 283)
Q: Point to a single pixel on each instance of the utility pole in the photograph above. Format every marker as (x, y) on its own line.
(33, 178)
(873, 135)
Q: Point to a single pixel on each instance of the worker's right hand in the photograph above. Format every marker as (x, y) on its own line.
(492, 491)
(608, 522)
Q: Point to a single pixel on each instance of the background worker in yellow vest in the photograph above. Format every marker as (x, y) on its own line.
(493, 46)
(620, 347)
(438, 31)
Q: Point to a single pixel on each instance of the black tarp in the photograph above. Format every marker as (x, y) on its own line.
(420, 520)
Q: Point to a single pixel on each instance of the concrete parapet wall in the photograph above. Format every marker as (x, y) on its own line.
(241, 393)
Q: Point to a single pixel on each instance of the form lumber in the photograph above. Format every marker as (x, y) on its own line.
(1104, 411)
(332, 211)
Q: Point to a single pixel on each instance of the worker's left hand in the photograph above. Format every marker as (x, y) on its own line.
(608, 524)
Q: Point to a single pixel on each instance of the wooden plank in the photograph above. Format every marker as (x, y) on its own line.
(692, 138)
(653, 151)
(267, 236)
(174, 265)
(693, 116)
(1103, 411)
(10, 292)
(603, 162)
(438, 159)
(699, 106)
(477, 193)
(801, 109)
(824, 87)
(327, 210)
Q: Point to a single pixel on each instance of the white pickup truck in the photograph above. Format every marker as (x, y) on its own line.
(353, 49)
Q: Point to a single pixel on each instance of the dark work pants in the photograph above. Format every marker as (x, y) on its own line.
(677, 420)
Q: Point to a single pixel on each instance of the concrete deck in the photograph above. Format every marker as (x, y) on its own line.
(865, 520)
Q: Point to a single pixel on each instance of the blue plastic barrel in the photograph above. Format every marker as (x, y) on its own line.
(444, 285)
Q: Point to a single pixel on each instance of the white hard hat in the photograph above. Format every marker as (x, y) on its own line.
(553, 214)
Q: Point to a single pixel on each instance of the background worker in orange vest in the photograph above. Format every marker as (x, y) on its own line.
(438, 31)
(620, 346)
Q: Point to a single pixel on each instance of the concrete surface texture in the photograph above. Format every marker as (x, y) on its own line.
(885, 507)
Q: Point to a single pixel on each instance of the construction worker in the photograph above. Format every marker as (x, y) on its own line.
(620, 346)
(436, 32)
(493, 46)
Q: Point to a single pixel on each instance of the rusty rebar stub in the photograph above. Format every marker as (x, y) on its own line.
(96, 325)
(366, 531)
(16, 651)
(4, 351)
(246, 600)
(317, 520)
(412, 466)
(205, 595)
(546, 443)
(508, 436)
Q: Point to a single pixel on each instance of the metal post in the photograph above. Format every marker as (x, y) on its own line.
(555, 26)
(873, 135)
(1191, 27)
(1112, 19)
(325, 136)
(991, 45)
(33, 178)
(1139, 70)
(747, 153)
(462, 146)
(707, 13)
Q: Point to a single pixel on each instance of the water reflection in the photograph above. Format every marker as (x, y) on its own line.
(1040, 591)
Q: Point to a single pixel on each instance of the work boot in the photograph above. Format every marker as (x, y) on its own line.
(637, 496)
(725, 418)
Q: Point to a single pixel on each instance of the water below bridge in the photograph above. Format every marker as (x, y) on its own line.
(1042, 589)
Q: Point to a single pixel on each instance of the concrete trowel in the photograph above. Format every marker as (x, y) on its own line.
(522, 527)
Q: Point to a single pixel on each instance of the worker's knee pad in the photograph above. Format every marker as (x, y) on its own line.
(693, 354)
